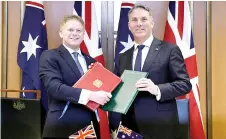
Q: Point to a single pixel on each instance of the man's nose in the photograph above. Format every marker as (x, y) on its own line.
(74, 33)
(139, 22)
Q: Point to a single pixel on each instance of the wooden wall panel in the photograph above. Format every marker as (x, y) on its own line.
(159, 11)
(1, 37)
(13, 70)
(218, 69)
(199, 32)
(54, 13)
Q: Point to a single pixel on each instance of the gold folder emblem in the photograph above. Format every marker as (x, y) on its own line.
(19, 105)
(98, 83)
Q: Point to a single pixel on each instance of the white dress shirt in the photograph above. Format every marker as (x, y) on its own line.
(145, 50)
(84, 96)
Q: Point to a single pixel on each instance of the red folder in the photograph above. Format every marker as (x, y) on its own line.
(95, 79)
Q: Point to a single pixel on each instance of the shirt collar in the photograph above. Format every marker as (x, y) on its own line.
(146, 43)
(71, 51)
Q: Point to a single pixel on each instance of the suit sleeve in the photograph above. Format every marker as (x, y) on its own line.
(51, 77)
(179, 84)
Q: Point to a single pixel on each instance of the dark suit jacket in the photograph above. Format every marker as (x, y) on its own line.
(58, 72)
(165, 65)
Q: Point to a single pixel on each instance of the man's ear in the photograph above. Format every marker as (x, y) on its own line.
(152, 22)
(60, 34)
(128, 26)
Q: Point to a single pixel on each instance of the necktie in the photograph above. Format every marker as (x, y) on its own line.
(137, 65)
(77, 62)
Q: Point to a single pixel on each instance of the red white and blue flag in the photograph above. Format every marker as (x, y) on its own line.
(179, 31)
(91, 46)
(33, 41)
(85, 133)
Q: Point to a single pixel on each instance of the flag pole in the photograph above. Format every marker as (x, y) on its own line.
(22, 11)
(118, 128)
(209, 127)
(93, 128)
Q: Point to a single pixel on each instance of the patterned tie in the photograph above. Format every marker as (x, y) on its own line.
(77, 62)
(137, 65)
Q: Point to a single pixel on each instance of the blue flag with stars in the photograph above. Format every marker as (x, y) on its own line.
(124, 42)
(126, 133)
(33, 41)
(124, 39)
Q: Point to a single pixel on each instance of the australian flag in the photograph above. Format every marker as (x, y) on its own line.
(33, 41)
(124, 42)
(126, 133)
(124, 39)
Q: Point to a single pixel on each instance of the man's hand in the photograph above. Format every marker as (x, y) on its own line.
(145, 84)
(90, 66)
(100, 97)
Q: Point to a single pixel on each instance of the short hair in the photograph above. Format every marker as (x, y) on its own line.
(71, 17)
(139, 6)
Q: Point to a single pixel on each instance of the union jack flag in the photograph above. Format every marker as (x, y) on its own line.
(91, 46)
(126, 133)
(178, 31)
(33, 41)
(85, 133)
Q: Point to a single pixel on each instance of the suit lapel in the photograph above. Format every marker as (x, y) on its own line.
(128, 58)
(70, 61)
(152, 53)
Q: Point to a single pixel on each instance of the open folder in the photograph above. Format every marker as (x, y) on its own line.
(95, 79)
(124, 95)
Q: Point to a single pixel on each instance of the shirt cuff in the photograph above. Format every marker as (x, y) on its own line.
(158, 96)
(84, 96)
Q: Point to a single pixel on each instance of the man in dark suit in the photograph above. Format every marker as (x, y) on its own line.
(60, 68)
(154, 111)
